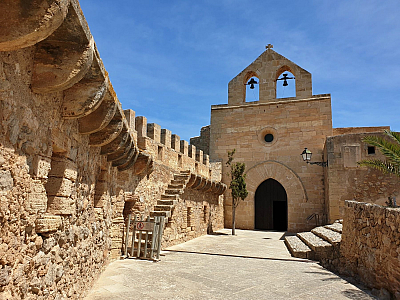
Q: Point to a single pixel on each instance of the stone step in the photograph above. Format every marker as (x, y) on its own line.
(163, 207)
(167, 202)
(297, 248)
(174, 182)
(175, 186)
(339, 221)
(181, 177)
(335, 227)
(186, 172)
(169, 197)
(173, 191)
(165, 214)
(322, 249)
(328, 235)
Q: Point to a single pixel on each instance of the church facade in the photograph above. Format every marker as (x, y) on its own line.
(269, 135)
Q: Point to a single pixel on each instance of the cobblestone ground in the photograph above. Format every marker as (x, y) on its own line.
(250, 265)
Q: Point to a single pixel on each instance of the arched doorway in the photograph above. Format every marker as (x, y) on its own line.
(270, 204)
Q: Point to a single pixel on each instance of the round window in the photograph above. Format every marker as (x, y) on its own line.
(269, 138)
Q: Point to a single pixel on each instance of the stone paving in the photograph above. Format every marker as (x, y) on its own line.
(250, 265)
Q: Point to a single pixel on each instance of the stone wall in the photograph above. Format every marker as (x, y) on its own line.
(370, 246)
(345, 180)
(71, 159)
(202, 142)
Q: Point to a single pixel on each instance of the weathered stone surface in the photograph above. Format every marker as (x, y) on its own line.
(24, 30)
(61, 205)
(297, 248)
(99, 118)
(37, 198)
(64, 57)
(370, 245)
(6, 181)
(47, 223)
(332, 237)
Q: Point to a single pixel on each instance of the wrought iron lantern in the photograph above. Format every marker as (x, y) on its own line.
(307, 154)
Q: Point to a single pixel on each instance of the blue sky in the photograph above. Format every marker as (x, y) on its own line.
(171, 60)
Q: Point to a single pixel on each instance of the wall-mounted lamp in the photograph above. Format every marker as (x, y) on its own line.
(306, 154)
(251, 82)
(285, 78)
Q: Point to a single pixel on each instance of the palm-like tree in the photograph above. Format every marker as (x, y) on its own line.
(390, 148)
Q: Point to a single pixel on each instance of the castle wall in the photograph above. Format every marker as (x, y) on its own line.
(370, 245)
(295, 124)
(345, 180)
(73, 164)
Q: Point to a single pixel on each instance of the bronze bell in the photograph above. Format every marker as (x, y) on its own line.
(252, 82)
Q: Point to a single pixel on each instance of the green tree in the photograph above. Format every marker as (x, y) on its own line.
(390, 148)
(237, 185)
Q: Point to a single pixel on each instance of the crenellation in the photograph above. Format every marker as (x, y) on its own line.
(192, 151)
(165, 137)
(154, 132)
(184, 147)
(175, 142)
(141, 126)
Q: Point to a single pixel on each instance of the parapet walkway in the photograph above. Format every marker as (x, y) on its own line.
(250, 265)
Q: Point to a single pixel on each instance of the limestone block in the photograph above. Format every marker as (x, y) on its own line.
(41, 166)
(63, 167)
(47, 223)
(154, 132)
(184, 147)
(175, 142)
(166, 137)
(141, 126)
(6, 181)
(57, 186)
(37, 199)
(61, 205)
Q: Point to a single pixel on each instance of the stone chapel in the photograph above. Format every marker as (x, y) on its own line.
(269, 135)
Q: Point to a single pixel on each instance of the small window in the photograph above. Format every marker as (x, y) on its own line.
(189, 217)
(371, 150)
(205, 213)
(179, 161)
(269, 137)
(160, 153)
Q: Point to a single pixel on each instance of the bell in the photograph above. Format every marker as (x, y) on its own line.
(285, 83)
(252, 82)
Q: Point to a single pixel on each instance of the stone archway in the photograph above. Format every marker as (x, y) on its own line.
(270, 206)
(290, 181)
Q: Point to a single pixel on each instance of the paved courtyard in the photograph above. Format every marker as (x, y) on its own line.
(250, 265)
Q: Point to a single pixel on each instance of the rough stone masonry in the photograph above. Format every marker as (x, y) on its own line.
(73, 164)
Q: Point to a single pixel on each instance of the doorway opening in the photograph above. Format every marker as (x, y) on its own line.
(271, 206)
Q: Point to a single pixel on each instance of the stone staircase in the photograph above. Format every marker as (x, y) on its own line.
(321, 243)
(169, 199)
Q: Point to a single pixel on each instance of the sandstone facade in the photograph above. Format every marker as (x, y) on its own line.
(269, 135)
(73, 164)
